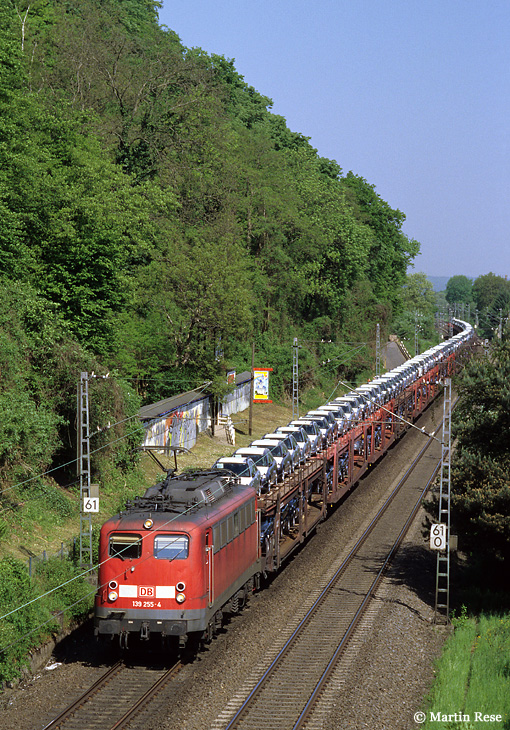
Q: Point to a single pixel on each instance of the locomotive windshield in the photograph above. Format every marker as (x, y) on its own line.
(171, 547)
(125, 546)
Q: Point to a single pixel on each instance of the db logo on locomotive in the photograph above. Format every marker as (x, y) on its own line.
(146, 592)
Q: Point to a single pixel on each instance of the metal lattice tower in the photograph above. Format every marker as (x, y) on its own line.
(295, 380)
(443, 557)
(83, 467)
(377, 350)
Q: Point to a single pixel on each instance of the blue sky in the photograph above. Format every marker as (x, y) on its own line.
(413, 96)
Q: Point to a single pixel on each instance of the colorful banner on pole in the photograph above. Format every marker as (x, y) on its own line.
(261, 385)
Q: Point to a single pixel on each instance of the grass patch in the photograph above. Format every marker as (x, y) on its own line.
(473, 676)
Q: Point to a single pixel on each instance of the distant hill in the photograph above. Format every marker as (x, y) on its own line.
(438, 282)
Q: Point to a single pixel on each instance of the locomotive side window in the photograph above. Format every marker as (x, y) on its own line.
(250, 513)
(233, 526)
(125, 546)
(223, 526)
(171, 547)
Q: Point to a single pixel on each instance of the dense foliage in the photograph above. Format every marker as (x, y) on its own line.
(158, 218)
(415, 325)
(162, 206)
(481, 464)
(459, 288)
(491, 295)
(23, 630)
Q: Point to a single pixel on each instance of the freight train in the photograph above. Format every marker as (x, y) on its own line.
(188, 553)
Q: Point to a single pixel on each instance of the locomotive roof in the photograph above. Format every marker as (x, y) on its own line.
(188, 492)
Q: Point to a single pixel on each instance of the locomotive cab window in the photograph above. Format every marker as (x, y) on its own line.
(171, 547)
(127, 547)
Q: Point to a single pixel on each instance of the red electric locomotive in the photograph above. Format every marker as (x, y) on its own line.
(177, 558)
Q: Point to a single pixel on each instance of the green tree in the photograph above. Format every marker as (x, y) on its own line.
(491, 294)
(419, 304)
(491, 291)
(459, 289)
(391, 251)
(481, 463)
(418, 294)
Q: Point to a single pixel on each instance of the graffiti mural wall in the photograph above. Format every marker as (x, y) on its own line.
(178, 421)
(180, 427)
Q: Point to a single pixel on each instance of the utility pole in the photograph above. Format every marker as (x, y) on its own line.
(252, 388)
(295, 380)
(416, 327)
(377, 350)
(83, 467)
(443, 555)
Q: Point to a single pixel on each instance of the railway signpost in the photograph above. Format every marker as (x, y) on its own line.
(443, 528)
(90, 504)
(438, 537)
(83, 465)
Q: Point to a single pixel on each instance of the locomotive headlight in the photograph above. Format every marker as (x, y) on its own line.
(180, 598)
(113, 595)
(148, 524)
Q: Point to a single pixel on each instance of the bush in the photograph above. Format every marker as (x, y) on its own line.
(33, 623)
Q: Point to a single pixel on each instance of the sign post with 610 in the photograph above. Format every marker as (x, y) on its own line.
(438, 537)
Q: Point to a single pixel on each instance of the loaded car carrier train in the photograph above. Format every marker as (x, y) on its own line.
(193, 548)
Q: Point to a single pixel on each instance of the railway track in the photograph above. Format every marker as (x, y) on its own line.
(283, 693)
(114, 699)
